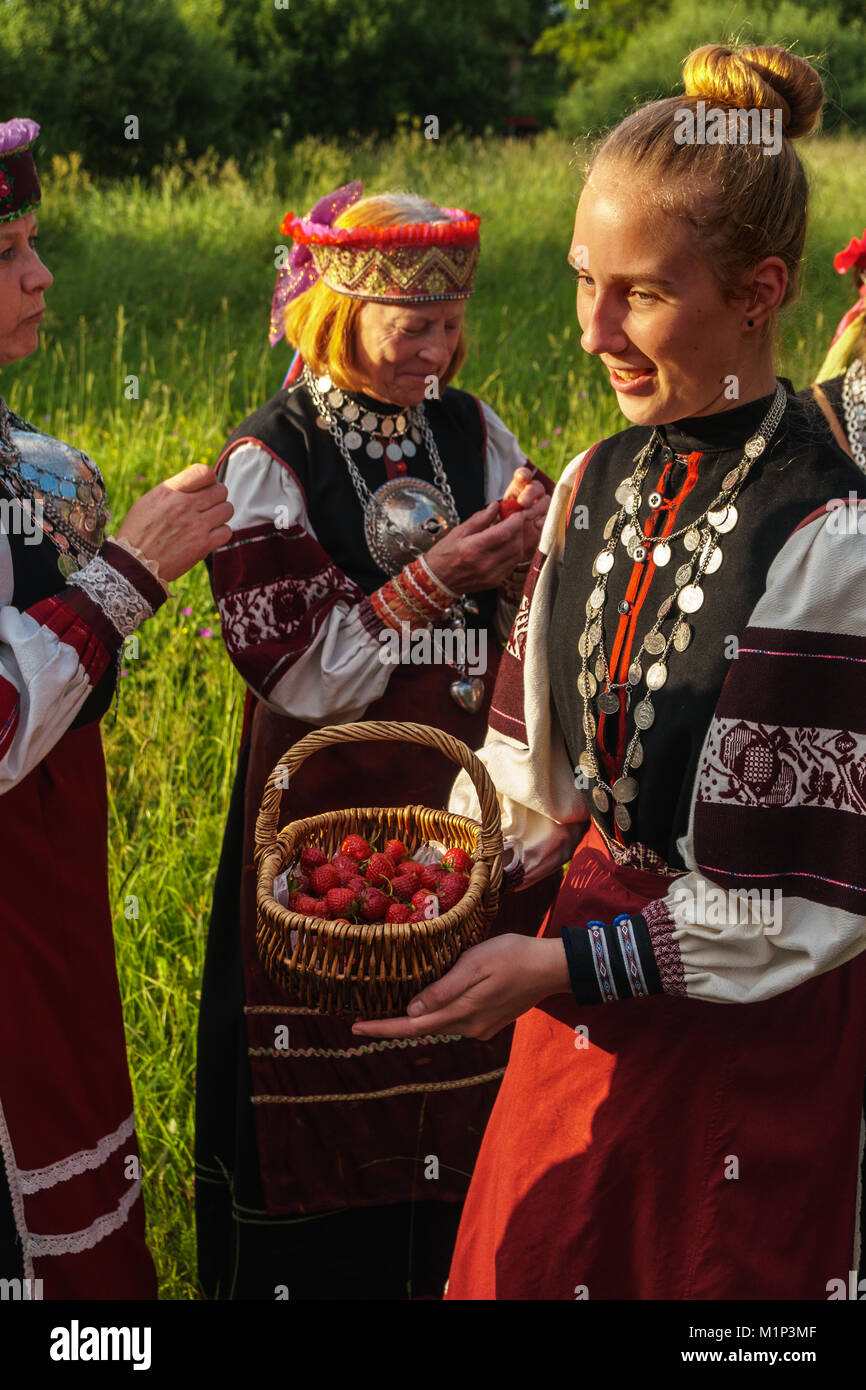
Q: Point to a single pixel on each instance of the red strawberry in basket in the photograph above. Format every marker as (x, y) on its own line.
(396, 850)
(302, 902)
(398, 912)
(380, 870)
(430, 874)
(412, 871)
(312, 857)
(341, 901)
(356, 847)
(425, 903)
(402, 887)
(451, 889)
(346, 867)
(320, 909)
(356, 884)
(458, 859)
(323, 878)
(374, 904)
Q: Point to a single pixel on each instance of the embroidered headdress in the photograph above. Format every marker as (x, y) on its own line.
(19, 181)
(417, 262)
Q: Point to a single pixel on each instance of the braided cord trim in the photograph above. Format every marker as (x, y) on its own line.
(383, 1045)
(382, 1095)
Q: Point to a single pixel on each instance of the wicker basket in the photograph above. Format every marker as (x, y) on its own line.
(372, 969)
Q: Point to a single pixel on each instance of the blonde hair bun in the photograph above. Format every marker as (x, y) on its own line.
(759, 78)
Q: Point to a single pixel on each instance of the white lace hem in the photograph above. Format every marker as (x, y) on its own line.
(38, 1179)
(120, 601)
(76, 1241)
(142, 559)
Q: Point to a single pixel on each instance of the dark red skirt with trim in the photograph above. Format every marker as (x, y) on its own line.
(669, 1148)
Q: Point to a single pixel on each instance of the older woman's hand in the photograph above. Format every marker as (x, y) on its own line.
(491, 985)
(482, 552)
(180, 521)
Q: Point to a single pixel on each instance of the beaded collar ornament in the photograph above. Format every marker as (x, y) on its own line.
(58, 484)
(19, 182)
(854, 407)
(703, 556)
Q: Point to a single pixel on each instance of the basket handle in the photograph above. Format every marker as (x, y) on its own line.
(380, 730)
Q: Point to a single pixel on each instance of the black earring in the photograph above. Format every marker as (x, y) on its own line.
(750, 322)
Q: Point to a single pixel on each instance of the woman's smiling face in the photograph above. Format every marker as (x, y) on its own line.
(648, 305)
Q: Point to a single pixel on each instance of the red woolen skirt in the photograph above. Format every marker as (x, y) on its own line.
(668, 1148)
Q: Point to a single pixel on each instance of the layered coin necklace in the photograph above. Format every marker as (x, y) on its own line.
(701, 541)
(58, 481)
(406, 515)
(854, 407)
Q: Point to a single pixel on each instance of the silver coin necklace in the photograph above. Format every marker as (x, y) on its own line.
(703, 557)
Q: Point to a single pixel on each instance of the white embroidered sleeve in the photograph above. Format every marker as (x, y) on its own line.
(543, 813)
(340, 672)
(741, 938)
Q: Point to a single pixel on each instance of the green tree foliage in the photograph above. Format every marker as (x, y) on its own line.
(648, 63)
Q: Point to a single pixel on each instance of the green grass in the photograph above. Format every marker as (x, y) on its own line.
(172, 284)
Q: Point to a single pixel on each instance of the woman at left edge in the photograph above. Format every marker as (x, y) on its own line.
(71, 1210)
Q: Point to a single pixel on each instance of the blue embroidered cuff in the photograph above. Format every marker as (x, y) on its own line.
(611, 962)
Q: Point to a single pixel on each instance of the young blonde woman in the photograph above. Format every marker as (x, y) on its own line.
(681, 1116)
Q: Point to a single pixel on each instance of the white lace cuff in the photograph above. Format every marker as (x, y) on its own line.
(142, 559)
(120, 601)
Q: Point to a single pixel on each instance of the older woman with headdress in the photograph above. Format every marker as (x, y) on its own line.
(366, 496)
(71, 1213)
(682, 1112)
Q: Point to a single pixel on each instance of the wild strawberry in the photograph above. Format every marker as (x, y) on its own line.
(380, 869)
(341, 901)
(402, 886)
(458, 859)
(398, 912)
(410, 869)
(425, 903)
(323, 878)
(356, 847)
(451, 889)
(346, 867)
(508, 506)
(312, 857)
(302, 902)
(374, 905)
(396, 850)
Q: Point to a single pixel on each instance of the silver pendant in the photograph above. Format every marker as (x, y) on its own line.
(400, 424)
(394, 452)
(636, 753)
(690, 598)
(622, 817)
(715, 559)
(596, 598)
(682, 635)
(730, 479)
(586, 763)
(656, 675)
(587, 684)
(387, 426)
(404, 517)
(594, 633)
(661, 553)
(692, 538)
(624, 492)
(654, 643)
(625, 788)
(321, 422)
(604, 562)
(683, 574)
(353, 440)
(374, 449)
(335, 398)
(608, 702)
(324, 383)
(610, 526)
(351, 412)
(755, 447)
(409, 449)
(732, 516)
(627, 534)
(634, 673)
(666, 605)
(369, 422)
(583, 646)
(644, 715)
(468, 694)
(589, 724)
(600, 798)
(416, 434)
(600, 669)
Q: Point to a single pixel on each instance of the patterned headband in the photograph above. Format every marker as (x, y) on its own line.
(416, 262)
(19, 181)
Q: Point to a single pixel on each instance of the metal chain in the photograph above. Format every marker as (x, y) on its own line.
(854, 407)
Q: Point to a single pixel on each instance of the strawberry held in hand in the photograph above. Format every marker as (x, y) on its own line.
(507, 507)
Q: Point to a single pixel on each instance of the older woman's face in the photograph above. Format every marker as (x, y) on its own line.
(401, 346)
(23, 282)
